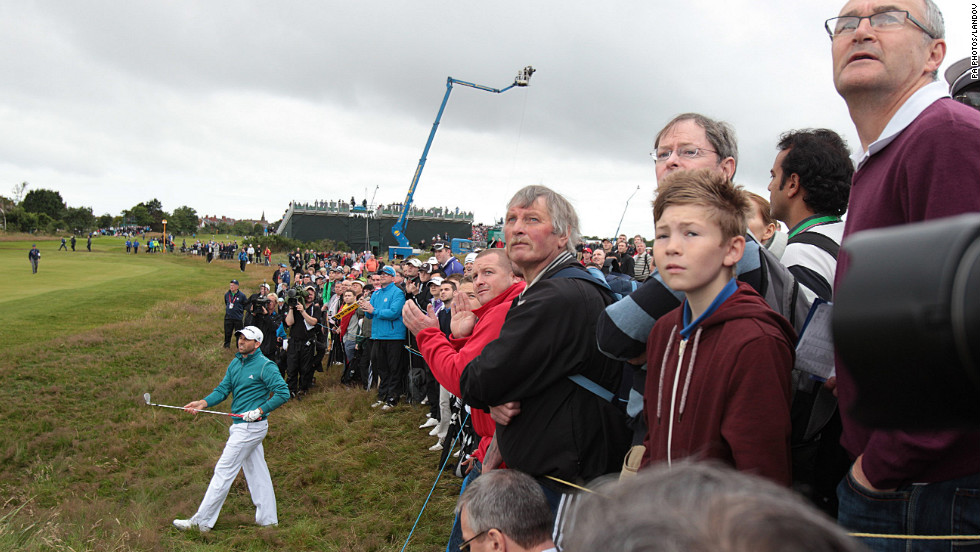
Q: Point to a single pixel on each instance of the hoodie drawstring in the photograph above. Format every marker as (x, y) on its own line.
(663, 368)
(690, 370)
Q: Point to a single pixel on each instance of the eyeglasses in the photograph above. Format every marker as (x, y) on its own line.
(882, 21)
(685, 152)
(466, 544)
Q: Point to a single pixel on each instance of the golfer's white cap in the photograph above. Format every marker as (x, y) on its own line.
(470, 257)
(250, 332)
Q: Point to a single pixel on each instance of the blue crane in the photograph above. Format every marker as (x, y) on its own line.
(404, 248)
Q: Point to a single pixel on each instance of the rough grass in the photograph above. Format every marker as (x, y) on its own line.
(86, 465)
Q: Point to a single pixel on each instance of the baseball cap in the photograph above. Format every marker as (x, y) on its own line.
(414, 262)
(282, 265)
(470, 257)
(387, 270)
(250, 332)
(437, 280)
(439, 245)
(234, 282)
(264, 285)
(433, 261)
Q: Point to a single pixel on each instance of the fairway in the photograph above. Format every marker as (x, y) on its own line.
(86, 465)
(76, 290)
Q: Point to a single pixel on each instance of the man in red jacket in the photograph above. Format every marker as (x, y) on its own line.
(473, 326)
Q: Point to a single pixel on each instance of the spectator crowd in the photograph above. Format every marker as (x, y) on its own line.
(664, 361)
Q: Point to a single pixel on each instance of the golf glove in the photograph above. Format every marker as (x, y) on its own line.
(252, 415)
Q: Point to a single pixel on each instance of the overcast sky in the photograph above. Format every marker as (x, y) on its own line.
(238, 107)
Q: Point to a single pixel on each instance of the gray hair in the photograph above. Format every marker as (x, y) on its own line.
(934, 19)
(564, 220)
(511, 502)
(934, 22)
(702, 507)
(720, 134)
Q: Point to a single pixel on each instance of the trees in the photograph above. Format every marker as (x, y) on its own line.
(241, 228)
(148, 213)
(44, 201)
(79, 219)
(184, 220)
(18, 191)
(138, 215)
(105, 221)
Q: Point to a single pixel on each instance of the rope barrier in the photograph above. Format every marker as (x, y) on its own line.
(914, 537)
(413, 351)
(436, 482)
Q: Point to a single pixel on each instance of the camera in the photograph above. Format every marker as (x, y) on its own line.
(294, 297)
(906, 323)
(258, 305)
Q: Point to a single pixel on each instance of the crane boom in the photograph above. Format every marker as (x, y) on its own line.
(404, 248)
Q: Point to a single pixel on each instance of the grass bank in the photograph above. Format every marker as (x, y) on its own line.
(85, 465)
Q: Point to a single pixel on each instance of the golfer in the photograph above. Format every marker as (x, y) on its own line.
(251, 378)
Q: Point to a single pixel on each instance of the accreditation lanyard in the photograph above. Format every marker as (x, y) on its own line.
(814, 222)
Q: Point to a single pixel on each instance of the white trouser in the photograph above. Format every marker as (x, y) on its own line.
(243, 451)
(444, 412)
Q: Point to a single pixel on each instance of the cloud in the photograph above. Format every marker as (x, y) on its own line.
(236, 108)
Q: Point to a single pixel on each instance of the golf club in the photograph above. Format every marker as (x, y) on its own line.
(146, 397)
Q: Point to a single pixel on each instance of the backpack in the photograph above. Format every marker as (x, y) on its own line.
(819, 461)
(619, 398)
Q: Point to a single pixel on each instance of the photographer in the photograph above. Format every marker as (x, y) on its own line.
(302, 319)
(263, 313)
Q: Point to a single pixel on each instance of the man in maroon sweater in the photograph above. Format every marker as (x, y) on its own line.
(918, 162)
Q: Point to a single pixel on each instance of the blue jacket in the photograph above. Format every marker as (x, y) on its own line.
(453, 266)
(237, 301)
(387, 316)
(242, 256)
(250, 380)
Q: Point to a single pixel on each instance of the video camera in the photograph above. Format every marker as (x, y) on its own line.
(259, 305)
(294, 297)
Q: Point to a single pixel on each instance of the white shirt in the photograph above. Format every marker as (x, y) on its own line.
(910, 110)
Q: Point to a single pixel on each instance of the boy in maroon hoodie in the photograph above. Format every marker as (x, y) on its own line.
(718, 381)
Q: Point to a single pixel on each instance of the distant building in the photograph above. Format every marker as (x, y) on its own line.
(214, 220)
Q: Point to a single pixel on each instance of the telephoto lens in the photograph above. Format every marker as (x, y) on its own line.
(906, 323)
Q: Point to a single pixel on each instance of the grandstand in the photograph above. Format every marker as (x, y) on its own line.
(365, 227)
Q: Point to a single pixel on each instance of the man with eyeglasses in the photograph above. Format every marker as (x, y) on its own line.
(918, 161)
(505, 510)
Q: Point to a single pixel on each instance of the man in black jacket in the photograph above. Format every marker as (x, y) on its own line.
(560, 428)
